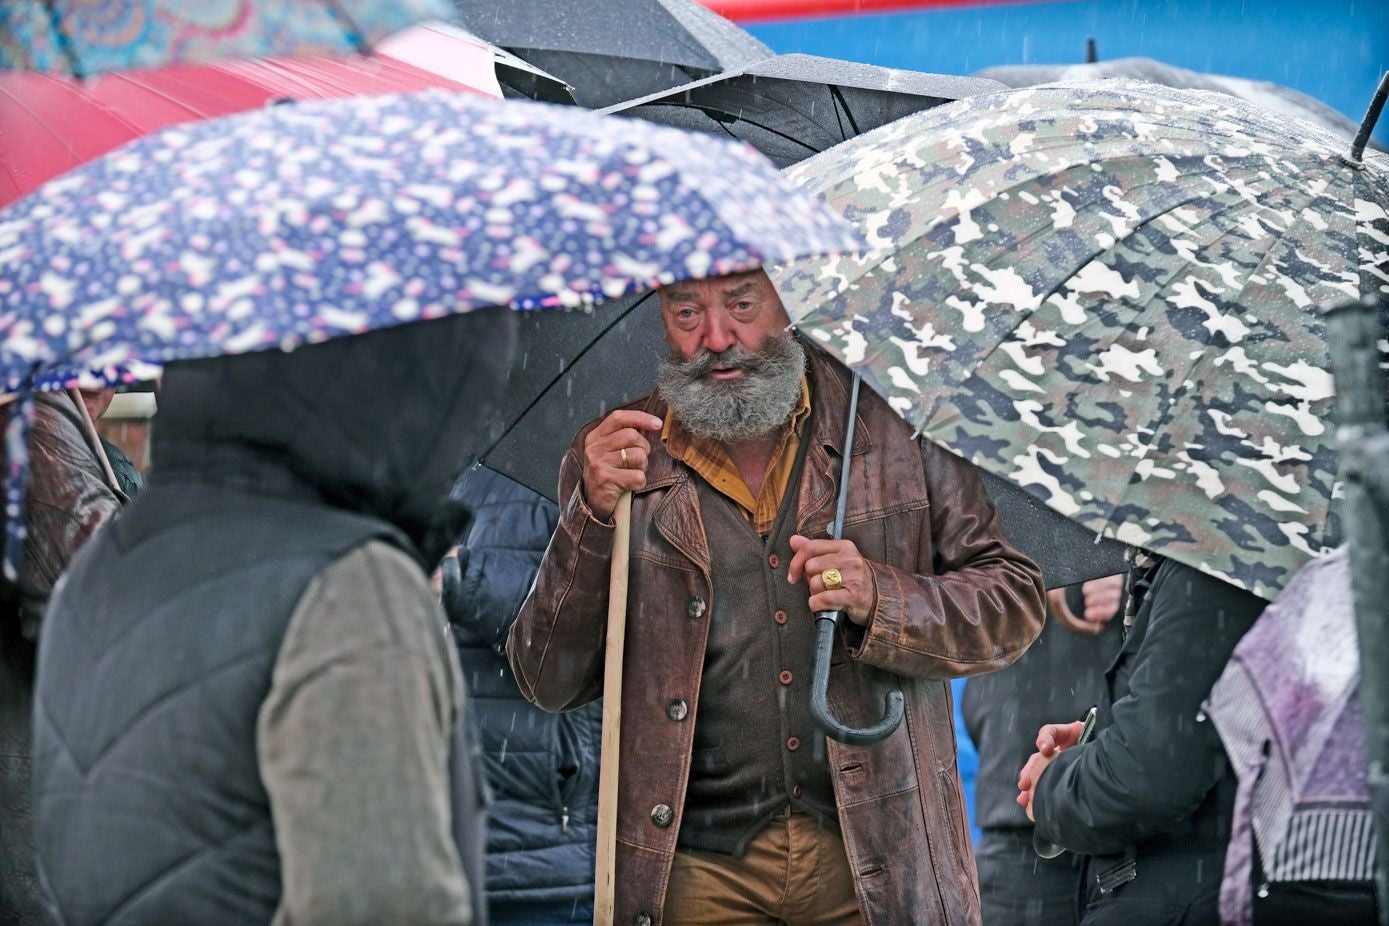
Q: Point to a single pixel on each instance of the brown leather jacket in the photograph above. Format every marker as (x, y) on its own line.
(953, 598)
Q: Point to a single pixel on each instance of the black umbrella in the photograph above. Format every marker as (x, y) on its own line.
(618, 49)
(576, 366)
(1280, 99)
(792, 106)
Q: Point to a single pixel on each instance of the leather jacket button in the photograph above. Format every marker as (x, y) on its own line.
(779, 617)
(677, 710)
(785, 676)
(641, 919)
(694, 607)
(793, 744)
(662, 815)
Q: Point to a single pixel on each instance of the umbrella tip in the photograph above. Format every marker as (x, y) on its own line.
(1091, 55)
(1367, 125)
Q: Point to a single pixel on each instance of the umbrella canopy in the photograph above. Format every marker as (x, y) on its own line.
(616, 50)
(1275, 97)
(441, 49)
(1289, 712)
(295, 224)
(81, 37)
(53, 123)
(792, 106)
(1110, 293)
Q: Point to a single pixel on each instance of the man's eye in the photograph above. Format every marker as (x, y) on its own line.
(744, 305)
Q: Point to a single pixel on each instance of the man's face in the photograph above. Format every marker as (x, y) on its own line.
(741, 309)
(734, 373)
(97, 401)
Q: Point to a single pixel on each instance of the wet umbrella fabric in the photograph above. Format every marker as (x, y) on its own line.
(1289, 712)
(792, 106)
(616, 50)
(296, 224)
(54, 123)
(442, 49)
(80, 37)
(1271, 96)
(1109, 293)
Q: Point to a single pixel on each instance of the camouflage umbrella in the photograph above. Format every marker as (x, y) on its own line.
(1109, 293)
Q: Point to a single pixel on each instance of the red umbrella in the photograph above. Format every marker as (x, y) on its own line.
(50, 124)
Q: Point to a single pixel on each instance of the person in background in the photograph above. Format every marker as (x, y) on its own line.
(1060, 676)
(542, 768)
(68, 500)
(247, 705)
(128, 477)
(1288, 709)
(1149, 800)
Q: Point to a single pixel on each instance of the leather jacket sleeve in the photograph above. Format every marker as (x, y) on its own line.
(556, 644)
(976, 608)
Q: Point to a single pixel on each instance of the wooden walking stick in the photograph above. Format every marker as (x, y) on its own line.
(605, 876)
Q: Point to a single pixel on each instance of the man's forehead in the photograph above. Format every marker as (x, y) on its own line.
(734, 284)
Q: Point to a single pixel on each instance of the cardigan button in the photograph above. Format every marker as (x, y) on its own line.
(642, 919)
(677, 710)
(694, 607)
(662, 815)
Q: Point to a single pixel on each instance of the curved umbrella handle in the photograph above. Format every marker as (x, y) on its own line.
(893, 703)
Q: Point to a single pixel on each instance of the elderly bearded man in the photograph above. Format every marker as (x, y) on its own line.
(733, 808)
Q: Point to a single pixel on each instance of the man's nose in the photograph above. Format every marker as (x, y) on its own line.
(718, 336)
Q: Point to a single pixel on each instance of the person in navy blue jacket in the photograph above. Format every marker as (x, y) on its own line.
(542, 767)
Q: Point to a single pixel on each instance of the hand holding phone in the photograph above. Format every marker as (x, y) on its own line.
(1042, 847)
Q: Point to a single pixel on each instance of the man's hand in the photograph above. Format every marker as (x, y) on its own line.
(1102, 599)
(1052, 740)
(615, 455)
(813, 557)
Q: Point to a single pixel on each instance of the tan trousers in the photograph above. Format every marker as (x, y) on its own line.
(795, 871)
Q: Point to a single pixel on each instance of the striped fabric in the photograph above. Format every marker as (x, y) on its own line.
(1325, 845)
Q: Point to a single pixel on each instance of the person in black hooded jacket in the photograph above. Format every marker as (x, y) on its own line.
(247, 707)
(542, 767)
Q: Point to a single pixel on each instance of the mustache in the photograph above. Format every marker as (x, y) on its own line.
(736, 357)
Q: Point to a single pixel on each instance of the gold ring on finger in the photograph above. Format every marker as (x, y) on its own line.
(623, 453)
(832, 579)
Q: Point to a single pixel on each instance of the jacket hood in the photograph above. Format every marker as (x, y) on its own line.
(379, 423)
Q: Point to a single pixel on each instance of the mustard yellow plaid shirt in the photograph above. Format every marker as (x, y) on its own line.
(708, 458)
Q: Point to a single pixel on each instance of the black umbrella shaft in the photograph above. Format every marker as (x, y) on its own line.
(837, 530)
(1367, 125)
(1364, 445)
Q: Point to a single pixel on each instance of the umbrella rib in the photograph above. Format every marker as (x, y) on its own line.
(359, 38)
(64, 41)
(838, 96)
(707, 110)
(482, 457)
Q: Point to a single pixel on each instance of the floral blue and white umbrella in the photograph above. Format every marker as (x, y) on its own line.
(295, 224)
